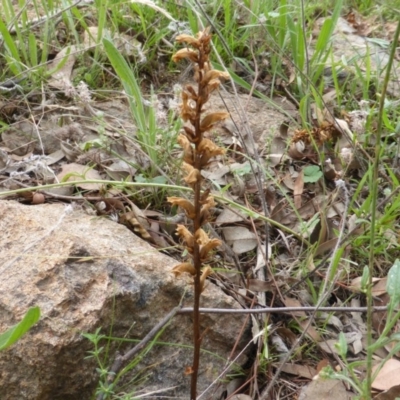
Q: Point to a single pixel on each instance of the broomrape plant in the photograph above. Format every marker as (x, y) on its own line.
(197, 152)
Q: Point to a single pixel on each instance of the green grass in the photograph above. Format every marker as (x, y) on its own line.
(263, 41)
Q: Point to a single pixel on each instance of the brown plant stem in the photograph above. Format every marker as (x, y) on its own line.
(197, 293)
(196, 250)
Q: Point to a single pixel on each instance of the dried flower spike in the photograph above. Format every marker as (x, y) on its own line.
(197, 152)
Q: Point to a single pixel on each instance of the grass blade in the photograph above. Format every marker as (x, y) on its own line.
(10, 336)
(129, 83)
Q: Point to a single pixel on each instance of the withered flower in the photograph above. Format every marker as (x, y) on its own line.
(211, 119)
(187, 149)
(209, 149)
(191, 91)
(190, 54)
(189, 133)
(207, 247)
(190, 40)
(205, 208)
(186, 236)
(192, 174)
(201, 237)
(183, 267)
(213, 75)
(188, 371)
(213, 85)
(188, 113)
(185, 204)
(206, 244)
(209, 203)
(207, 271)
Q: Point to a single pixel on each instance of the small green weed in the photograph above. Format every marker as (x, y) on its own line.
(386, 337)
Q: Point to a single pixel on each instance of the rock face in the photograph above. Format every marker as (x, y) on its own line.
(85, 273)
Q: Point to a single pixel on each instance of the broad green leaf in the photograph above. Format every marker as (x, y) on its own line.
(341, 346)
(312, 173)
(159, 179)
(393, 282)
(365, 279)
(17, 331)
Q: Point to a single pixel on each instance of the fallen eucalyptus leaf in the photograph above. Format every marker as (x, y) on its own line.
(241, 239)
(76, 172)
(388, 376)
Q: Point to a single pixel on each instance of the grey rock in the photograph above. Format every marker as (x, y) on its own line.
(85, 273)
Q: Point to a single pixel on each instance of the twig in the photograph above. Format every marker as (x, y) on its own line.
(276, 310)
(121, 360)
